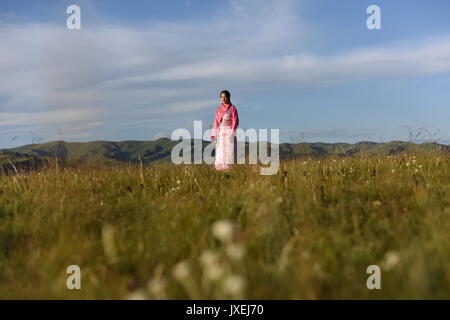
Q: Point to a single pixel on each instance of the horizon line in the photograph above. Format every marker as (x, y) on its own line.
(445, 142)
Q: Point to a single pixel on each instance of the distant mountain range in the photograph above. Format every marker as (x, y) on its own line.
(160, 150)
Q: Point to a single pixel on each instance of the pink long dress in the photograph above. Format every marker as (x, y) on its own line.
(225, 125)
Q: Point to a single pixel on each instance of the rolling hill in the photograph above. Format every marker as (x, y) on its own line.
(160, 150)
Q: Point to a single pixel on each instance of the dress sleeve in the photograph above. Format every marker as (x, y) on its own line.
(216, 124)
(234, 119)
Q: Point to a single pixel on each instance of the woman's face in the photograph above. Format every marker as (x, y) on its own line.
(224, 98)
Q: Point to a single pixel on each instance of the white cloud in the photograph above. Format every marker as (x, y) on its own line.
(162, 70)
(46, 117)
(191, 105)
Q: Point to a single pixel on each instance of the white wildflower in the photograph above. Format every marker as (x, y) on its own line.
(137, 295)
(208, 258)
(214, 272)
(223, 230)
(235, 251)
(156, 287)
(109, 245)
(391, 259)
(181, 270)
(377, 203)
(234, 285)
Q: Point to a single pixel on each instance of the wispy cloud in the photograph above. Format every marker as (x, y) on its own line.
(11, 16)
(66, 116)
(327, 134)
(173, 70)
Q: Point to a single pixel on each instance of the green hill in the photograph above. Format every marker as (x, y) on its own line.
(11, 161)
(159, 151)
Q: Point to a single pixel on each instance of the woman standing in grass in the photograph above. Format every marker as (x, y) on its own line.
(224, 134)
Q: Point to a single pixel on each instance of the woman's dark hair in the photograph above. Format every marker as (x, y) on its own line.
(227, 93)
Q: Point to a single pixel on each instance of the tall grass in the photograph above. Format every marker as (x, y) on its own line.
(187, 231)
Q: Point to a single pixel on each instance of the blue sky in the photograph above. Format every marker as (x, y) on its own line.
(137, 70)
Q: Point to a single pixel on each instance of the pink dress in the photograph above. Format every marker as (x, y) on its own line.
(225, 125)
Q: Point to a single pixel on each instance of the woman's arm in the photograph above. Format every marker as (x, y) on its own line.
(234, 119)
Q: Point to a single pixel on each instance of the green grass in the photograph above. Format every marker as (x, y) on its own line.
(308, 232)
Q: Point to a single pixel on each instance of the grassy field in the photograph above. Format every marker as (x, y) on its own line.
(181, 232)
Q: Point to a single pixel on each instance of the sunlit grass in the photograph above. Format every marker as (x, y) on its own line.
(308, 232)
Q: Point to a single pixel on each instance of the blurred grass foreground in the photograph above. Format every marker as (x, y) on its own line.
(189, 232)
